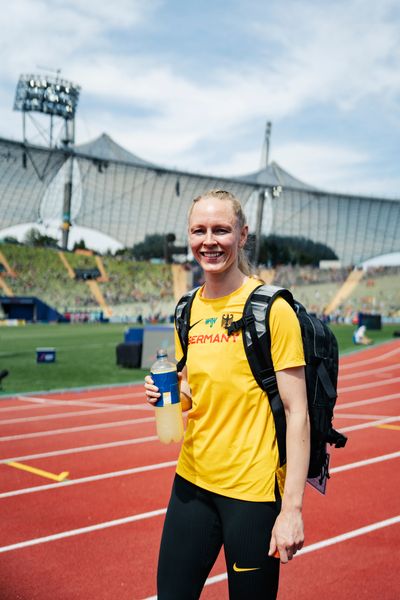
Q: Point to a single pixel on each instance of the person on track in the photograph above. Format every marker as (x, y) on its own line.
(229, 489)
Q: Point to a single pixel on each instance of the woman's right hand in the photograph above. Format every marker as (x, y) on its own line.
(151, 390)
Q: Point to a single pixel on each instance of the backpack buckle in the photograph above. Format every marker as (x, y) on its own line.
(237, 325)
(269, 384)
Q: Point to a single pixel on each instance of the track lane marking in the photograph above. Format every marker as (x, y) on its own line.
(365, 462)
(363, 386)
(44, 401)
(120, 423)
(393, 367)
(70, 403)
(82, 396)
(88, 479)
(396, 427)
(25, 436)
(370, 424)
(355, 404)
(375, 400)
(81, 530)
(359, 416)
(155, 513)
(142, 440)
(65, 415)
(153, 438)
(60, 477)
(93, 411)
(369, 361)
(156, 466)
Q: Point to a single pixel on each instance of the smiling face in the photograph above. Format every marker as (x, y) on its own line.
(215, 235)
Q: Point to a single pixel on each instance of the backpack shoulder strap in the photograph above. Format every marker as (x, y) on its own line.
(182, 323)
(257, 343)
(255, 329)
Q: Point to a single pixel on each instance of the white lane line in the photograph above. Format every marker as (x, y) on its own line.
(90, 478)
(369, 361)
(318, 545)
(357, 416)
(101, 408)
(142, 440)
(369, 372)
(65, 415)
(125, 472)
(368, 385)
(81, 530)
(376, 400)
(36, 434)
(349, 535)
(37, 403)
(70, 403)
(77, 398)
(370, 424)
(365, 462)
(155, 513)
(107, 397)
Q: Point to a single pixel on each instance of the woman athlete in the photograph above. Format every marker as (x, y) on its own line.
(229, 489)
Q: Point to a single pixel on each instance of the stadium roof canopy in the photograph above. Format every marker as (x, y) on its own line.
(106, 149)
(274, 175)
(119, 194)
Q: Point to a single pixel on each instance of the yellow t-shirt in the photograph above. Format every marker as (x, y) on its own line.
(230, 443)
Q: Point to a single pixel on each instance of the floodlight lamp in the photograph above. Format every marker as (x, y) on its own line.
(49, 95)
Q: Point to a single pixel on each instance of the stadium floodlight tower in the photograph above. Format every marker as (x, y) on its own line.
(55, 98)
(262, 194)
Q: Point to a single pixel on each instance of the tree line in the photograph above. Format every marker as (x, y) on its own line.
(274, 249)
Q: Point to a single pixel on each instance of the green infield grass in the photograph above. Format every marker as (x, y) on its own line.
(86, 355)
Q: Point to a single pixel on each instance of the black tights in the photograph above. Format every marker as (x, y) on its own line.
(196, 526)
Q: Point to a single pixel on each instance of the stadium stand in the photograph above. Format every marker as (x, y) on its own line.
(345, 291)
(131, 288)
(128, 289)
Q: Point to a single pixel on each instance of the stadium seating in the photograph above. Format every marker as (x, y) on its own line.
(132, 289)
(144, 290)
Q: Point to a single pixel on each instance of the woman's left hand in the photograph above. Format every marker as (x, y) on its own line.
(287, 534)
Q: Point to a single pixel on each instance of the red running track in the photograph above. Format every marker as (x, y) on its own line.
(96, 534)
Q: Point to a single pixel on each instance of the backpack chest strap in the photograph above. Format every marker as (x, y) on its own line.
(245, 321)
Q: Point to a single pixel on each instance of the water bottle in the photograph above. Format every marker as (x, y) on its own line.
(168, 407)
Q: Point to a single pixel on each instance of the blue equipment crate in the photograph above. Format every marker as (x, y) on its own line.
(45, 355)
(133, 334)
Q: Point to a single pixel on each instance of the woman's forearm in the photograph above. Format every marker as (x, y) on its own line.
(292, 389)
(297, 458)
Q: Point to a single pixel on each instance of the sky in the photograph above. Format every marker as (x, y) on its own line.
(190, 85)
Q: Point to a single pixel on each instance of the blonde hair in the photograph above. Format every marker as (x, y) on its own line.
(243, 261)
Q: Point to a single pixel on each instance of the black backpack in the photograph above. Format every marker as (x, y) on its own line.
(321, 371)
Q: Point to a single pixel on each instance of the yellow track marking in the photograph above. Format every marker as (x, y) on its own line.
(397, 427)
(61, 477)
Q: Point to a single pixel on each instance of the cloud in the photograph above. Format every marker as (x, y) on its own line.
(320, 164)
(333, 167)
(36, 32)
(335, 57)
(335, 52)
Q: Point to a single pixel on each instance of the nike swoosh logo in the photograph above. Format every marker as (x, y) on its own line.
(242, 570)
(197, 322)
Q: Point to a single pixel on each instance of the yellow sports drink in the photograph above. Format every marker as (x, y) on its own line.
(168, 407)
